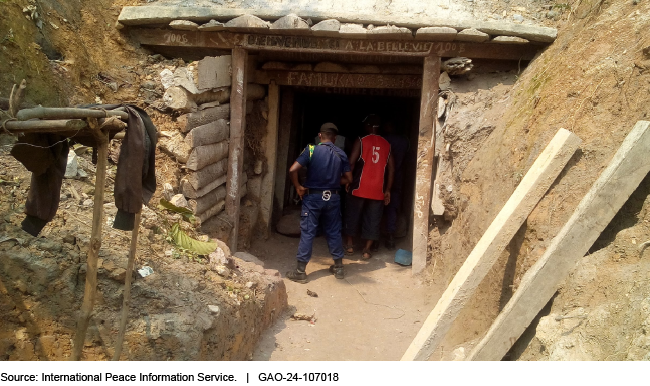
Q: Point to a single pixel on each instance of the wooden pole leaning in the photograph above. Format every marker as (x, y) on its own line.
(90, 288)
(424, 168)
(531, 189)
(126, 301)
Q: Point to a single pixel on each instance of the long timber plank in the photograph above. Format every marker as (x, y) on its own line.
(605, 198)
(531, 189)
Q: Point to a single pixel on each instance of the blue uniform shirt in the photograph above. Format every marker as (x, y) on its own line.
(326, 166)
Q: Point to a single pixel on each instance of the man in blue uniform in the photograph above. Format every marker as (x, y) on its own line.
(327, 169)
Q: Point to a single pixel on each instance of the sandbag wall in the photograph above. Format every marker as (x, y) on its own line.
(201, 91)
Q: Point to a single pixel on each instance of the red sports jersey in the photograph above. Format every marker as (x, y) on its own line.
(370, 168)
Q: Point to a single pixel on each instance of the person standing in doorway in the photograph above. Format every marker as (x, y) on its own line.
(399, 146)
(327, 169)
(368, 192)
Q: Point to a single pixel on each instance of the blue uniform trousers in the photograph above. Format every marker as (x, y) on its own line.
(315, 210)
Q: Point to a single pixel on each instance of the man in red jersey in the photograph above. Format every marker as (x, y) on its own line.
(368, 192)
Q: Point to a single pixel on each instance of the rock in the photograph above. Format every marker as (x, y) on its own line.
(440, 34)
(214, 72)
(247, 23)
(289, 225)
(457, 66)
(258, 167)
(118, 274)
(329, 27)
(552, 14)
(72, 165)
(212, 25)
(290, 22)
(390, 31)
(184, 78)
(251, 285)
(184, 25)
(110, 208)
(88, 202)
(351, 30)
(223, 271)
(179, 201)
(444, 81)
(249, 258)
(214, 310)
(69, 239)
(168, 191)
(509, 40)
(517, 18)
(166, 78)
(472, 35)
(218, 257)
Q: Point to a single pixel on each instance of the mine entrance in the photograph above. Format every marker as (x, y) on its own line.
(302, 112)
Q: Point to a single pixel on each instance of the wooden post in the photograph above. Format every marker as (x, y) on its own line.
(90, 288)
(286, 116)
(236, 150)
(426, 150)
(605, 198)
(126, 300)
(531, 189)
(271, 150)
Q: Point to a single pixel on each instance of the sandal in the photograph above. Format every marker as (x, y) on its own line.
(366, 254)
(349, 250)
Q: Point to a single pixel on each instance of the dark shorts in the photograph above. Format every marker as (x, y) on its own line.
(363, 212)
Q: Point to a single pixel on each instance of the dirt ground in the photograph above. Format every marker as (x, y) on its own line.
(373, 314)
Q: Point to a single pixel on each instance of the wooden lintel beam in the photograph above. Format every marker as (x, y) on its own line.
(336, 79)
(224, 40)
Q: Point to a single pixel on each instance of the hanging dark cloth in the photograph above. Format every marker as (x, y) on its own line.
(135, 181)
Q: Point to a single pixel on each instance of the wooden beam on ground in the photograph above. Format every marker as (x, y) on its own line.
(126, 296)
(531, 189)
(46, 126)
(426, 150)
(236, 148)
(90, 288)
(331, 45)
(333, 79)
(286, 116)
(605, 198)
(271, 153)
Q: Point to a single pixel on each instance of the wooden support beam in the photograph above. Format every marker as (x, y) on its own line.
(531, 189)
(426, 150)
(271, 152)
(67, 113)
(332, 45)
(333, 79)
(90, 288)
(284, 133)
(236, 148)
(39, 126)
(605, 198)
(126, 296)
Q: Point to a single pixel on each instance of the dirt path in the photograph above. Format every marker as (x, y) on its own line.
(371, 315)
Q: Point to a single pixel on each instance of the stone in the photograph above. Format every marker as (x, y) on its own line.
(457, 66)
(247, 23)
(251, 285)
(184, 78)
(329, 27)
(472, 35)
(212, 25)
(390, 31)
(118, 274)
(352, 30)
(509, 40)
(214, 310)
(69, 239)
(289, 225)
(184, 25)
(214, 72)
(517, 18)
(259, 166)
(552, 14)
(249, 258)
(444, 81)
(88, 202)
(439, 34)
(72, 165)
(218, 257)
(290, 22)
(168, 191)
(223, 271)
(179, 201)
(167, 78)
